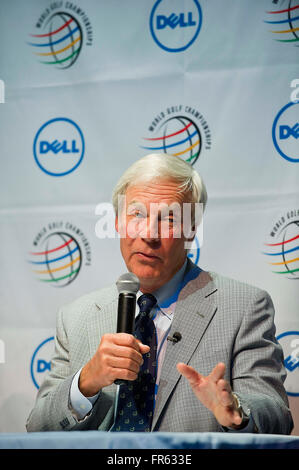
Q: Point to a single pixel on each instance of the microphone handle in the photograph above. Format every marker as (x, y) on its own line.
(125, 318)
(126, 313)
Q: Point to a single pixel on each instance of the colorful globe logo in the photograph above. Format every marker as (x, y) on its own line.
(284, 21)
(178, 136)
(60, 260)
(61, 44)
(284, 254)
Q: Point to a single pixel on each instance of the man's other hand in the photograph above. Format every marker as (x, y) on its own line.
(214, 393)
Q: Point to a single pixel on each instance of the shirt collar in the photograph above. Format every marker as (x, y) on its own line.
(169, 293)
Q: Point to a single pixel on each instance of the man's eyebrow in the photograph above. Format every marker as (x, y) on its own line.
(135, 202)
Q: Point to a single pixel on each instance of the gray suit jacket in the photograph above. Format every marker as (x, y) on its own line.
(220, 320)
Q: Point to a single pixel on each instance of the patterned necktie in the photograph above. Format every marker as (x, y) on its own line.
(136, 398)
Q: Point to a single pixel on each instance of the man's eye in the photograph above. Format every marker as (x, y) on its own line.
(135, 212)
(169, 219)
(138, 214)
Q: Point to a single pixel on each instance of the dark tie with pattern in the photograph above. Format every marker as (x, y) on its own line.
(136, 398)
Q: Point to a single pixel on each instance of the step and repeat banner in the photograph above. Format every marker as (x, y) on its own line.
(88, 87)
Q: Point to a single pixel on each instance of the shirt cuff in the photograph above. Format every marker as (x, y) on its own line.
(80, 405)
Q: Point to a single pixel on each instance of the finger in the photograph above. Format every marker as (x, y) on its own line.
(123, 374)
(189, 373)
(224, 387)
(237, 420)
(130, 353)
(124, 363)
(218, 372)
(226, 399)
(125, 339)
(143, 348)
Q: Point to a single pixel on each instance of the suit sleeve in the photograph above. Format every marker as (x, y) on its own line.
(258, 372)
(52, 410)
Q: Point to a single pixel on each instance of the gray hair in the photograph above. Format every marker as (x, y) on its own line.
(157, 166)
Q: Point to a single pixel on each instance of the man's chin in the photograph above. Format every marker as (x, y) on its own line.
(146, 273)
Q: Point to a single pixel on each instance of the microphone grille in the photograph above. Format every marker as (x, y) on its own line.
(128, 282)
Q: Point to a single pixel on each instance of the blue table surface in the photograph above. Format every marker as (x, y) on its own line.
(158, 440)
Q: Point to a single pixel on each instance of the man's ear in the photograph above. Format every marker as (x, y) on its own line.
(193, 232)
(190, 239)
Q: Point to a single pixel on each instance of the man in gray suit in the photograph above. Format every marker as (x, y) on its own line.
(226, 371)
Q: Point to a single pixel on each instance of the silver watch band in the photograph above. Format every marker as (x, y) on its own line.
(244, 412)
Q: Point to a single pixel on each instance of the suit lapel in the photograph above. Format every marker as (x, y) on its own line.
(194, 310)
(101, 319)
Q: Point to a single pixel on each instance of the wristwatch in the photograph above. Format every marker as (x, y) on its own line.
(243, 411)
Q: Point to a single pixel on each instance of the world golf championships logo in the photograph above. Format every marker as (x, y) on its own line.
(175, 25)
(283, 19)
(180, 131)
(282, 249)
(41, 361)
(59, 146)
(57, 258)
(61, 41)
(289, 342)
(285, 132)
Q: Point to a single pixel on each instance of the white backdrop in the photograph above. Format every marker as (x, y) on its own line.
(87, 85)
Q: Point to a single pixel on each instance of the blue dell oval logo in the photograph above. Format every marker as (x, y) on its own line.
(58, 147)
(175, 26)
(41, 361)
(289, 341)
(285, 132)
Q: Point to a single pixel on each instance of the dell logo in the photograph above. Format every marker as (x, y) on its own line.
(43, 365)
(175, 20)
(281, 131)
(56, 147)
(62, 140)
(286, 131)
(168, 18)
(41, 361)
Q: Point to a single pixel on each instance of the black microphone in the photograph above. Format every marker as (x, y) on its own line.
(175, 338)
(127, 286)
